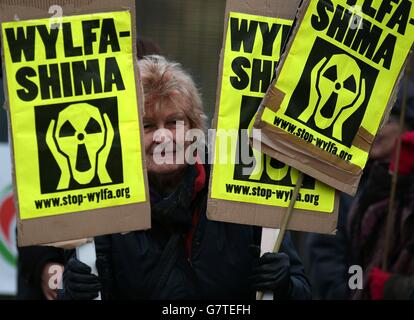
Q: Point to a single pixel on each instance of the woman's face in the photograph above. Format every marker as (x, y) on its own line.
(164, 139)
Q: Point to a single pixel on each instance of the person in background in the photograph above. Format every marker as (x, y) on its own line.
(328, 257)
(368, 222)
(184, 255)
(396, 284)
(38, 265)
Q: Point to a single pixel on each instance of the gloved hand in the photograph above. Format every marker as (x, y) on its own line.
(377, 280)
(271, 272)
(78, 281)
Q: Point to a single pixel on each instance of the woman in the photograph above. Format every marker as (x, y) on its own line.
(183, 255)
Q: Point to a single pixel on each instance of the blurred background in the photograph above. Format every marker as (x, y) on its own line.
(187, 31)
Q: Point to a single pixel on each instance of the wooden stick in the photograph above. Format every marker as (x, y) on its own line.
(391, 214)
(285, 222)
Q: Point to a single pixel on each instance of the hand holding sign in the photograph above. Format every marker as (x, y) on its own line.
(80, 282)
(272, 273)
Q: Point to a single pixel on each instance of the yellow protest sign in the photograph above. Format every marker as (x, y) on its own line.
(253, 47)
(74, 114)
(336, 84)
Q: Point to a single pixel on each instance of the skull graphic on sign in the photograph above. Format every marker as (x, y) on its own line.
(337, 91)
(80, 141)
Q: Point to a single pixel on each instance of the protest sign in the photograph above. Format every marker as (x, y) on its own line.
(246, 186)
(74, 103)
(335, 86)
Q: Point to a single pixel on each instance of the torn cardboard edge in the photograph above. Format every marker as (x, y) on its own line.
(277, 149)
(329, 169)
(271, 217)
(250, 213)
(77, 225)
(88, 223)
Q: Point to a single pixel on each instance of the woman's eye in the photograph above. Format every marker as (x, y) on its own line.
(177, 122)
(148, 126)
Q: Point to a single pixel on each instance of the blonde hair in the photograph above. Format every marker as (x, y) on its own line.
(164, 80)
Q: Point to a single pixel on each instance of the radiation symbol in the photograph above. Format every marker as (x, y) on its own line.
(80, 141)
(337, 91)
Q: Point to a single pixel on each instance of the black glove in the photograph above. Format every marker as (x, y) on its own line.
(78, 281)
(271, 272)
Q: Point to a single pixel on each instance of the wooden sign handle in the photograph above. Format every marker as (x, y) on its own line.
(285, 222)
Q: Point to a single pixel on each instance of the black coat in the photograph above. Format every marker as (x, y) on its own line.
(219, 266)
(30, 265)
(154, 264)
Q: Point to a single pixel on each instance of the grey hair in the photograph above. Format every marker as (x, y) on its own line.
(166, 80)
